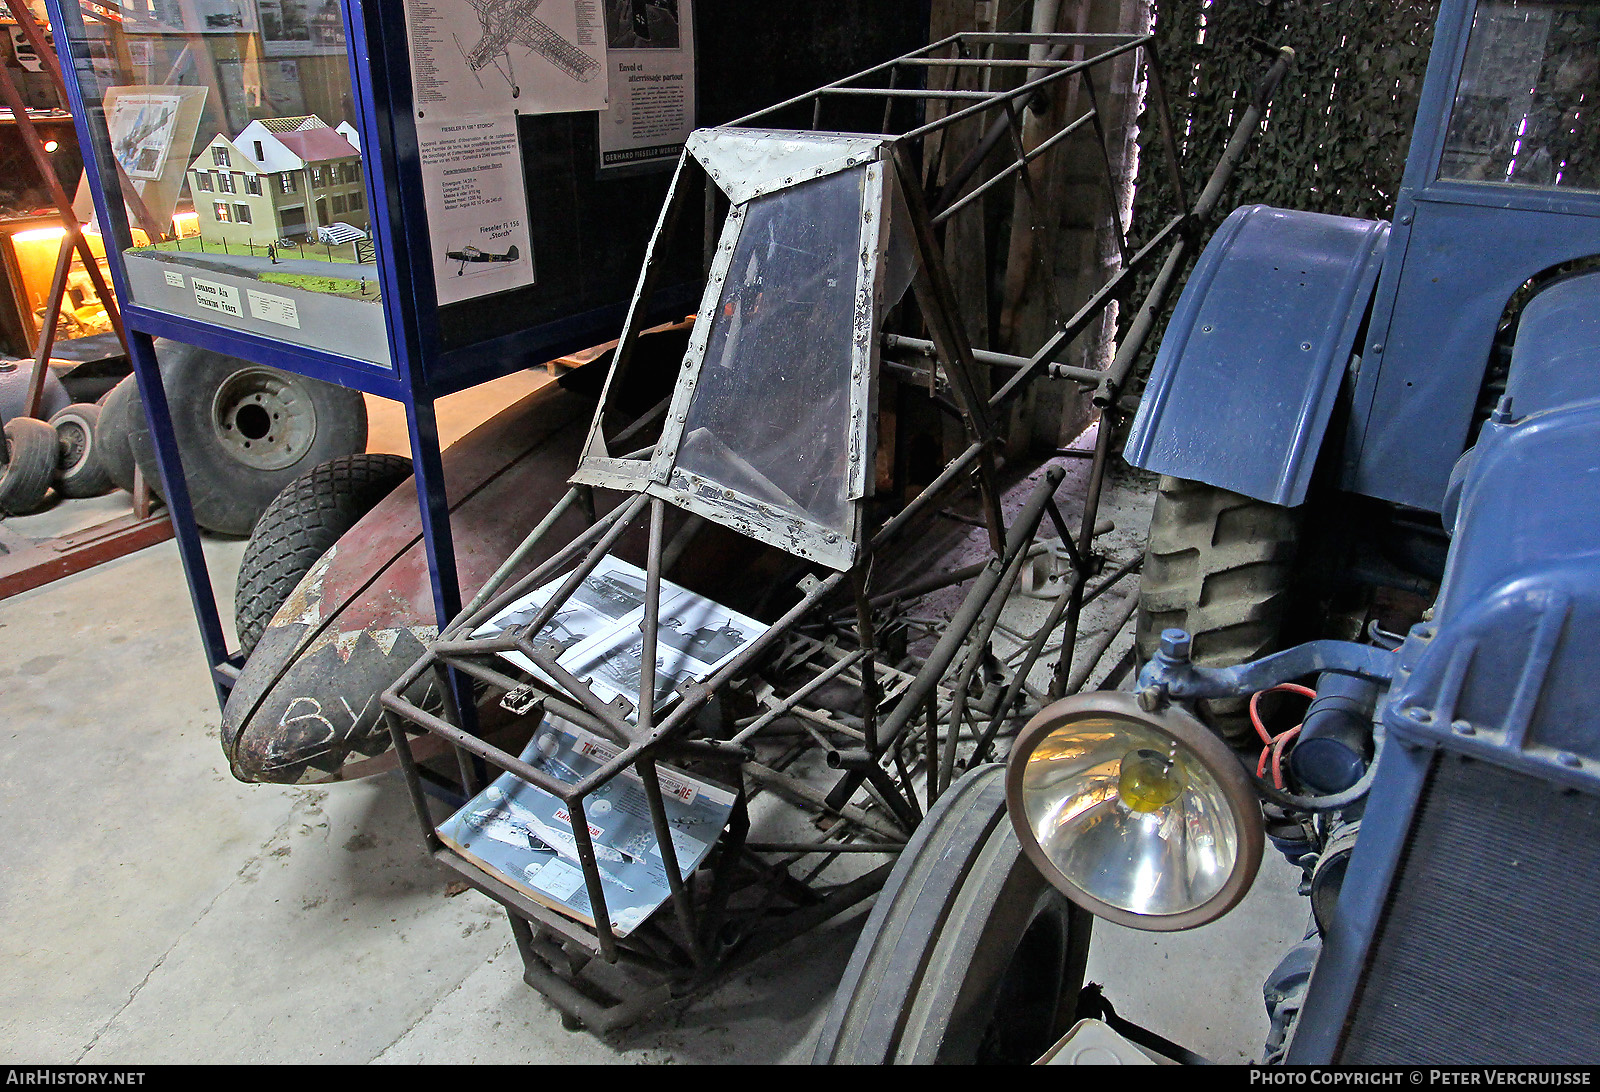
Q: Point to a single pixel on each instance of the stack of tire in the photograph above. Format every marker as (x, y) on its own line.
(40, 455)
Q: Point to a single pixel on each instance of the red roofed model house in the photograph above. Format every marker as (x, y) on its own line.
(280, 178)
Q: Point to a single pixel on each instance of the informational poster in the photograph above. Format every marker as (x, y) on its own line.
(491, 58)
(650, 66)
(598, 630)
(151, 131)
(301, 28)
(475, 66)
(142, 126)
(477, 206)
(190, 17)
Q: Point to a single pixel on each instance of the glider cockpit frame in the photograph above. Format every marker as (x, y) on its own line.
(771, 430)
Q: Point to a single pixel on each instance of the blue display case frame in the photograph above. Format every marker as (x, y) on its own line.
(422, 369)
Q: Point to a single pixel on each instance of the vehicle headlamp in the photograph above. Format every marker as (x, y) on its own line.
(1145, 819)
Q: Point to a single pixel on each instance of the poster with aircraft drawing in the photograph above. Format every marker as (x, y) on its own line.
(475, 58)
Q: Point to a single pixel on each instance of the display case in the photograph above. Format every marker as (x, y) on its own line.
(405, 197)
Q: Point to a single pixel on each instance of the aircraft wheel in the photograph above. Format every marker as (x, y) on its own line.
(114, 430)
(246, 431)
(28, 467)
(301, 523)
(80, 472)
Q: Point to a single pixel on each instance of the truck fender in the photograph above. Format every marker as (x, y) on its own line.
(1252, 360)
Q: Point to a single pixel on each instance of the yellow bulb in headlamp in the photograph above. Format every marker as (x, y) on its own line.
(1148, 780)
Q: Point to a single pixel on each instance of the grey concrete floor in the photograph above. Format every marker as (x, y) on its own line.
(153, 910)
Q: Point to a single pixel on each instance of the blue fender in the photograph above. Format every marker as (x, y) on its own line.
(1253, 357)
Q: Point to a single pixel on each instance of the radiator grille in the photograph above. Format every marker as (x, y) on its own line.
(1490, 949)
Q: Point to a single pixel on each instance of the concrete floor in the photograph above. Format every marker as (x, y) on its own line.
(154, 910)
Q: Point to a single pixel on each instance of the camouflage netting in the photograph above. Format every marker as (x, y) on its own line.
(1336, 136)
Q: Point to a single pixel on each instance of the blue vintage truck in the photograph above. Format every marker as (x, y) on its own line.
(1380, 449)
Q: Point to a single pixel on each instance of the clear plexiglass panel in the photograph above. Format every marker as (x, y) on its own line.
(1524, 107)
(770, 417)
(232, 129)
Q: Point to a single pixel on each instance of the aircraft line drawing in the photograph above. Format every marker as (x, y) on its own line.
(513, 21)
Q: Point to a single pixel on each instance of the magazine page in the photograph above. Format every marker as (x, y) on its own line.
(599, 630)
(523, 834)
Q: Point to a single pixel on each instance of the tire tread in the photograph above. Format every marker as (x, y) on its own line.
(30, 465)
(299, 526)
(1220, 565)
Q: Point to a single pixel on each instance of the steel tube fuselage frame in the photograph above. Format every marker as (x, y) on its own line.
(893, 206)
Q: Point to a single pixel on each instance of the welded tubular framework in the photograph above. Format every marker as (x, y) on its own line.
(839, 723)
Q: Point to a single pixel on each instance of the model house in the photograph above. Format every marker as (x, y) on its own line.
(280, 178)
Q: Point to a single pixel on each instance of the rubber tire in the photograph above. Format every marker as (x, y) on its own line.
(30, 465)
(228, 495)
(299, 526)
(79, 470)
(113, 432)
(969, 955)
(1221, 566)
(15, 378)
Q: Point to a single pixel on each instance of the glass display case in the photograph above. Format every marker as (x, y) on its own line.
(232, 138)
(408, 197)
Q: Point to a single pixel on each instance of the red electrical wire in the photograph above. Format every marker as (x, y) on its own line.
(1273, 745)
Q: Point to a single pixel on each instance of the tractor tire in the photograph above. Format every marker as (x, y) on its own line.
(1219, 565)
(969, 955)
(113, 432)
(30, 465)
(299, 526)
(80, 472)
(245, 432)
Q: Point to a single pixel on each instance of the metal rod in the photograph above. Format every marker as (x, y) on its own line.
(929, 584)
(682, 905)
(1010, 169)
(865, 638)
(923, 347)
(652, 618)
(1158, 99)
(471, 743)
(933, 669)
(517, 556)
(579, 822)
(785, 705)
(619, 731)
(485, 611)
(800, 792)
(934, 488)
(906, 92)
(1079, 322)
(49, 323)
(1097, 651)
(1105, 159)
(1049, 37)
(1025, 89)
(987, 621)
(628, 510)
(983, 62)
(1139, 331)
(621, 357)
(1091, 509)
(825, 847)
